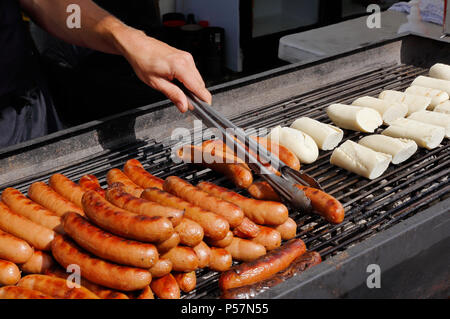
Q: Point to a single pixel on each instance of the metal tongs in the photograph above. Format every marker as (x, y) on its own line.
(284, 184)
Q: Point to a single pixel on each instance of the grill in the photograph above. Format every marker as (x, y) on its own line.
(371, 205)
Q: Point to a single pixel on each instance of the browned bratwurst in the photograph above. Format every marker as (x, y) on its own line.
(168, 244)
(264, 267)
(288, 229)
(39, 263)
(221, 259)
(103, 273)
(91, 183)
(184, 190)
(183, 258)
(45, 196)
(222, 242)
(186, 280)
(66, 188)
(9, 273)
(214, 226)
(268, 237)
(247, 229)
(117, 176)
(203, 253)
(136, 172)
(117, 196)
(260, 212)
(161, 268)
(109, 246)
(191, 233)
(24, 206)
(14, 249)
(245, 250)
(124, 223)
(166, 287)
(14, 292)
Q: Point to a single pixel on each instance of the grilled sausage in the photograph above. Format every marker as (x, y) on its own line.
(55, 287)
(22, 205)
(45, 196)
(247, 229)
(263, 191)
(14, 292)
(299, 265)
(222, 242)
(324, 204)
(102, 292)
(108, 246)
(166, 287)
(288, 229)
(161, 268)
(66, 188)
(99, 271)
(203, 253)
(183, 258)
(245, 250)
(14, 249)
(261, 212)
(226, 164)
(19, 226)
(191, 233)
(268, 237)
(39, 263)
(124, 223)
(186, 280)
(117, 176)
(283, 153)
(9, 273)
(184, 190)
(136, 172)
(263, 267)
(214, 226)
(221, 259)
(168, 244)
(91, 183)
(145, 293)
(117, 196)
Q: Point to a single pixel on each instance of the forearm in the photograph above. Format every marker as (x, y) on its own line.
(98, 30)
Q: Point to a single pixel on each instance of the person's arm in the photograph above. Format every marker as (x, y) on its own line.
(154, 62)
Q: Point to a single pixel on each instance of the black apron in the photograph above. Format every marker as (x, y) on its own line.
(26, 110)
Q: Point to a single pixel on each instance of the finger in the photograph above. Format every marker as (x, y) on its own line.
(173, 93)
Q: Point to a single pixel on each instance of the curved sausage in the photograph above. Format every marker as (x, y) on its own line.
(261, 212)
(108, 246)
(14, 292)
(97, 270)
(45, 196)
(161, 268)
(39, 263)
(22, 205)
(247, 229)
(19, 226)
(191, 233)
(268, 237)
(117, 176)
(184, 190)
(117, 196)
(263, 191)
(214, 226)
(66, 188)
(263, 267)
(203, 253)
(245, 250)
(283, 153)
(222, 242)
(288, 229)
(55, 287)
(14, 249)
(145, 293)
(183, 258)
(221, 259)
(90, 183)
(9, 273)
(166, 287)
(168, 244)
(124, 223)
(136, 172)
(186, 280)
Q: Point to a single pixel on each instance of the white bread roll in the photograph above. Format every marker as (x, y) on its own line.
(437, 96)
(440, 71)
(425, 135)
(415, 102)
(360, 160)
(354, 118)
(399, 148)
(299, 143)
(435, 118)
(433, 83)
(443, 108)
(326, 136)
(390, 111)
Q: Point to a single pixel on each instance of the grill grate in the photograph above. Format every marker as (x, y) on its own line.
(371, 206)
